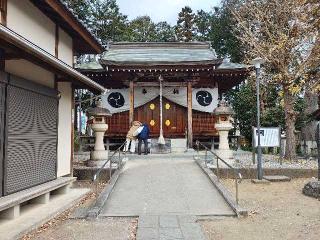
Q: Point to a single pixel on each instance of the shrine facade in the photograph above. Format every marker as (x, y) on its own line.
(192, 79)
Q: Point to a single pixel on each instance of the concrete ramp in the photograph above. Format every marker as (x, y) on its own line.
(164, 187)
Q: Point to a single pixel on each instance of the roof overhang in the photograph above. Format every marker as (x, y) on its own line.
(25, 49)
(158, 55)
(84, 41)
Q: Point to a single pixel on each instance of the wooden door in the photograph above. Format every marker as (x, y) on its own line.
(174, 119)
(149, 113)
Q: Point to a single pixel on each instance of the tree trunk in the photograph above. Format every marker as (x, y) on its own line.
(290, 120)
(308, 131)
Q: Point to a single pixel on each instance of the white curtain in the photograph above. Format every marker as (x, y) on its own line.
(117, 100)
(203, 99)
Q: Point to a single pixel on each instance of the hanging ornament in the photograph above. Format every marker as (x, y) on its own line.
(167, 123)
(167, 106)
(161, 138)
(152, 106)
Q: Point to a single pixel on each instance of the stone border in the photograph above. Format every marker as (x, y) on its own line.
(226, 194)
(251, 173)
(86, 173)
(94, 211)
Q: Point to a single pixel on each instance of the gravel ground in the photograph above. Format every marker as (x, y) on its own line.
(276, 211)
(109, 228)
(243, 159)
(61, 227)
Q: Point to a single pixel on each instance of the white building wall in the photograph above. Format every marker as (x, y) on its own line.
(64, 128)
(65, 52)
(30, 71)
(28, 21)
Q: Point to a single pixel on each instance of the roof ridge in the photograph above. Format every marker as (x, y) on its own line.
(194, 44)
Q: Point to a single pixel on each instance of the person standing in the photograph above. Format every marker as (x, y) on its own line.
(130, 139)
(143, 136)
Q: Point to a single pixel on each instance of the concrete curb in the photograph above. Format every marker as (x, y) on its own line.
(223, 191)
(94, 211)
(251, 173)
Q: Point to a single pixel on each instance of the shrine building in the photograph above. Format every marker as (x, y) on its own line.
(193, 79)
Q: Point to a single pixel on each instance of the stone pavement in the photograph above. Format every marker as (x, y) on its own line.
(167, 186)
(169, 227)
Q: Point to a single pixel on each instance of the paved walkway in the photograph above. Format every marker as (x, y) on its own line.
(169, 227)
(161, 187)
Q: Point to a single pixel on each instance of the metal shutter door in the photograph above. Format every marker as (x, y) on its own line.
(2, 124)
(31, 155)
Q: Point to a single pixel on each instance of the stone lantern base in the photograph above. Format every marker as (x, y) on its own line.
(226, 155)
(224, 151)
(98, 158)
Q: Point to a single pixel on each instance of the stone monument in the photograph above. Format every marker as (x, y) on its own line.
(99, 126)
(223, 124)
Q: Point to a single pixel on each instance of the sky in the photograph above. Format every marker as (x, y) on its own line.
(162, 10)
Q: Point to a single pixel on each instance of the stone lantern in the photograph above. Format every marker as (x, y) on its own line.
(223, 124)
(99, 126)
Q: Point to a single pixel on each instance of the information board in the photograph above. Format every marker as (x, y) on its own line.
(269, 136)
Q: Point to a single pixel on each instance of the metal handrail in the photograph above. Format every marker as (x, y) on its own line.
(97, 174)
(238, 176)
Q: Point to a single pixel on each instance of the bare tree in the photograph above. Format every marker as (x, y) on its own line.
(286, 34)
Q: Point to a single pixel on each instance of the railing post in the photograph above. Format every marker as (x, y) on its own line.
(218, 172)
(237, 191)
(205, 158)
(198, 147)
(119, 161)
(110, 169)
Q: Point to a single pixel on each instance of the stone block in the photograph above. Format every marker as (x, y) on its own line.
(63, 190)
(187, 219)
(170, 233)
(147, 234)
(178, 145)
(42, 199)
(148, 222)
(277, 178)
(192, 231)
(11, 213)
(312, 189)
(257, 181)
(168, 222)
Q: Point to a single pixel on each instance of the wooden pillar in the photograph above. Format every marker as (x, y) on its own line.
(131, 96)
(3, 12)
(72, 129)
(189, 99)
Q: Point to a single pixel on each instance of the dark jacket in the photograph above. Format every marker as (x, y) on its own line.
(144, 134)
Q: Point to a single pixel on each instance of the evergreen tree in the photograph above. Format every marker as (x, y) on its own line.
(82, 9)
(185, 25)
(202, 25)
(164, 32)
(108, 23)
(222, 36)
(142, 29)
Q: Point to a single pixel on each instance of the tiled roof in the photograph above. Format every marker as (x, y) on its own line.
(177, 53)
(232, 66)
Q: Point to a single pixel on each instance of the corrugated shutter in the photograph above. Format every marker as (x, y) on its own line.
(2, 124)
(31, 152)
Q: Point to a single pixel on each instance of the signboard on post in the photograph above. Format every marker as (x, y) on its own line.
(269, 136)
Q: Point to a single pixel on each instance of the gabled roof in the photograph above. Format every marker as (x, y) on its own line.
(227, 65)
(58, 12)
(153, 54)
(16, 43)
